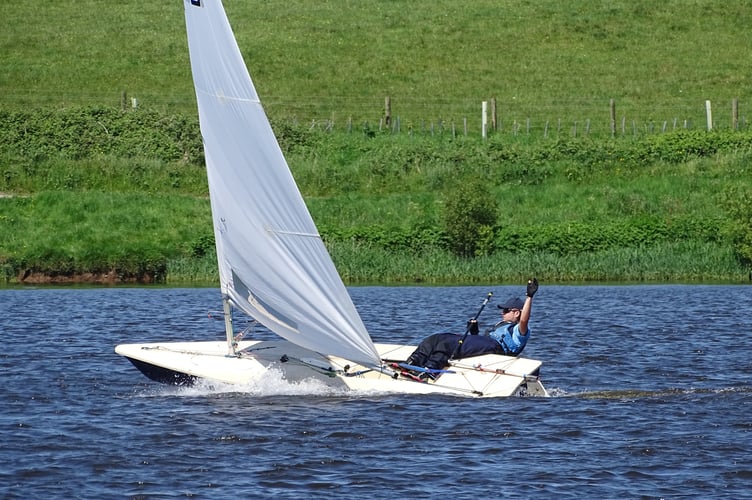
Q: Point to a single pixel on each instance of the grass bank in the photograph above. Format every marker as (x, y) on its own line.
(90, 184)
(667, 207)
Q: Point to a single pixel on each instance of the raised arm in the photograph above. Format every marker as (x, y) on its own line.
(532, 287)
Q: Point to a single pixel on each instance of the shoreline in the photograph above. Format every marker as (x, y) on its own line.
(111, 279)
(86, 278)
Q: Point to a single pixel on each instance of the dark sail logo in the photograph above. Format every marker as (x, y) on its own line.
(197, 3)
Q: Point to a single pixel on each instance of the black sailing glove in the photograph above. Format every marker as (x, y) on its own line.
(532, 287)
(472, 327)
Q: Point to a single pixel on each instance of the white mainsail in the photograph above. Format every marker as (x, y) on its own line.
(273, 264)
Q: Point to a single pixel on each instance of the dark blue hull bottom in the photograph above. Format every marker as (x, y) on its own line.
(163, 375)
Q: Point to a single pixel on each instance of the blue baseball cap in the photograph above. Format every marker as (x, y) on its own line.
(512, 303)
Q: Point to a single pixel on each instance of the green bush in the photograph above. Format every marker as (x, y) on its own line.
(80, 133)
(582, 237)
(469, 216)
(738, 202)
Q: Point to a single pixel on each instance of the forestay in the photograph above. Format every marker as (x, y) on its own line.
(273, 264)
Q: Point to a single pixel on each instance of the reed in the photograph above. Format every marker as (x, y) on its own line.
(666, 262)
(193, 271)
(362, 264)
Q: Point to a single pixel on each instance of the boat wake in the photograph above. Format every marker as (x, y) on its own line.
(271, 383)
(628, 394)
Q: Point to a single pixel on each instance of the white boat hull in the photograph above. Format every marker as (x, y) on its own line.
(182, 363)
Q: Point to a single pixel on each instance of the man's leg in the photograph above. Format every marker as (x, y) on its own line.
(434, 351)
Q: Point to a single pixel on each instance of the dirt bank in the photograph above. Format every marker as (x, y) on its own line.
(109, 278)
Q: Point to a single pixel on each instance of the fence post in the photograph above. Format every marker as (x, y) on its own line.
(735, 113)
(388, 110)
(709, 115)
(612, 110)
(484, 118)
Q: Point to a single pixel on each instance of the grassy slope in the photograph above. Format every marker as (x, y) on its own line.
(544, 59)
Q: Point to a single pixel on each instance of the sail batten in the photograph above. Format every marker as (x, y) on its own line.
(224, 97)
(282, 232)
(273, 264)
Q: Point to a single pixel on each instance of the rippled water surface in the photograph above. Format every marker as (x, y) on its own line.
(652, 396)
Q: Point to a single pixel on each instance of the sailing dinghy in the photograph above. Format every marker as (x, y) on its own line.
(274, 267)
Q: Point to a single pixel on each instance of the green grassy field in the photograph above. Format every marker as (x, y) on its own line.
(96, 191)
(545, 60)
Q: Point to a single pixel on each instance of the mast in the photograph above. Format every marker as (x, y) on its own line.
(228, 325)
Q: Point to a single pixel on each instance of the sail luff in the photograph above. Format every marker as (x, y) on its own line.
(273, 263)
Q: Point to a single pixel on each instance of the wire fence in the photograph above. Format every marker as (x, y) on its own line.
(490, 119)
(558, 117)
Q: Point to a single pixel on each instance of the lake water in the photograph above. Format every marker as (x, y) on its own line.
(652, 396)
